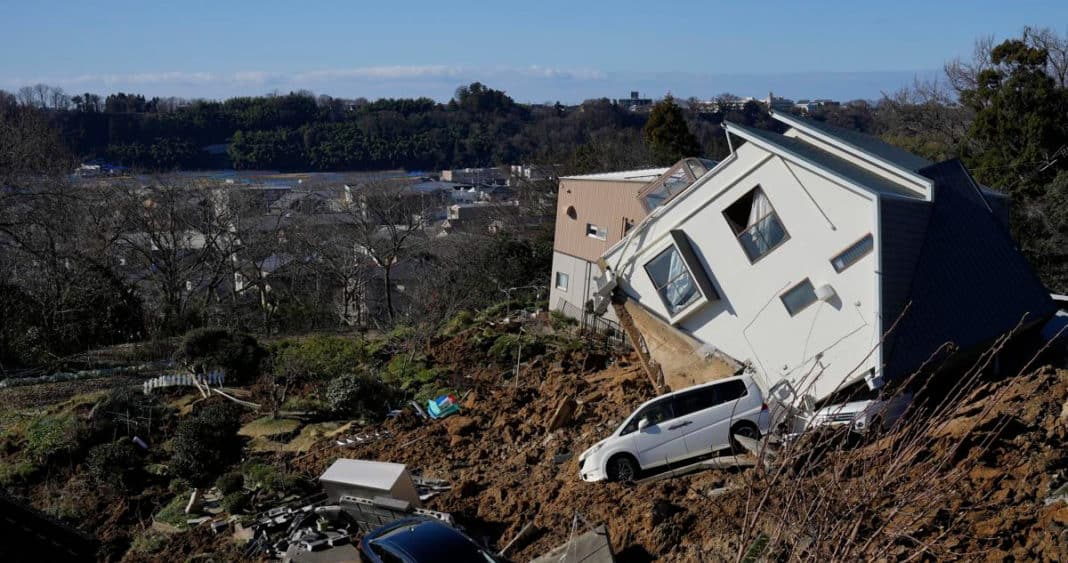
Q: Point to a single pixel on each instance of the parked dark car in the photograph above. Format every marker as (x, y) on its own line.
(421, 540)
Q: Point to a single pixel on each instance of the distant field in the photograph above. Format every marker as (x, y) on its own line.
(43, 394)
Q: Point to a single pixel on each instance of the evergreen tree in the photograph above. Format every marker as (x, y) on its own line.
(668, 136)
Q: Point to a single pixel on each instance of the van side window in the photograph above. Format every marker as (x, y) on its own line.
(731, 390)
(656, 413)
(696, 400)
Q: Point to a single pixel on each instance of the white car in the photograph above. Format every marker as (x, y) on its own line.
(693, 422)
(862, 415)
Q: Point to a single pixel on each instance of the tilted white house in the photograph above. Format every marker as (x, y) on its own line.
(799, 251)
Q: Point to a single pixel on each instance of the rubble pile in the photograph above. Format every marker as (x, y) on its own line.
(509, 471)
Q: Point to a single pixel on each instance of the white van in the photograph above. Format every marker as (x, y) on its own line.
(693, 422)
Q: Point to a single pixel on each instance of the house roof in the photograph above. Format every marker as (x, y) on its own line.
(970, 284)
(825, 160)
(865, 143)
(640, 175)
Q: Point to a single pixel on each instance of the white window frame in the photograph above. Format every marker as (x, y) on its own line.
(793, 288)
(596, 231)
(567, 281)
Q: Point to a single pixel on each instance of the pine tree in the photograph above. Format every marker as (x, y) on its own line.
(668, 136)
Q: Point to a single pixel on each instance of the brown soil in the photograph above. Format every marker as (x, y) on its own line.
(499, 458)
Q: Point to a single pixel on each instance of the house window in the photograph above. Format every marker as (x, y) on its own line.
(798, 297)
(672, 280)
(854, 253)
(571, 213)
(594, 231)
(626, 226)
(755, 223)
(561, 280)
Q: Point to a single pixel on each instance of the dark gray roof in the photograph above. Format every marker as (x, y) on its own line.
(970, 284)
(839, 166)
(862, 142)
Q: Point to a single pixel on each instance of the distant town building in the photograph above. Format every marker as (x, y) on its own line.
(492, 175)
(635, 102)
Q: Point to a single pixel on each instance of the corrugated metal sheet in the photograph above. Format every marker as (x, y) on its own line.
(970, 284)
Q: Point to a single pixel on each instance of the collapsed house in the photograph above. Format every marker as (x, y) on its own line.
(798, 253)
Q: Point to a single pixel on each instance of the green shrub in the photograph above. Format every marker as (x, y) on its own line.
(318, 357)
(173, 512)
(207, 443)
(360, 396)
(205, 349)
(462, 320)
(20, 471)
(506, 348)
(148, 542)
(116, 464)
(230, 483)
(234, 502)
(50, 435)
(127, 410)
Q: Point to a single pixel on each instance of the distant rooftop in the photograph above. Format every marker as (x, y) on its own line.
(641, 175)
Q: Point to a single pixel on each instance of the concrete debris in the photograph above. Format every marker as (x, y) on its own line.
(591, 547)
(523, 533)
(363, 438)
(194, 502)
(563, 413)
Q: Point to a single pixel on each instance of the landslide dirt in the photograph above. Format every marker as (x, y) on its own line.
(507, 470)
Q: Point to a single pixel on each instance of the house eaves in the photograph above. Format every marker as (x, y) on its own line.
(871, 149)
(828, 164)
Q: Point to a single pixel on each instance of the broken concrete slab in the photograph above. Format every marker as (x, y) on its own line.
(194, 502)
(592, 547)
(563, 413)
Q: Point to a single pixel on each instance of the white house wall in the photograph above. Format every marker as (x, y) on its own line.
(582, 283)
(749, 322)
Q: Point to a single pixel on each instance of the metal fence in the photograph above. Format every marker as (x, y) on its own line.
(597, 329)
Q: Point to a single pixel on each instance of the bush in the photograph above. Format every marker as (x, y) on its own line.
(234, 502)
(116, 464)
(230, 483)
(135, 409)
(207, 443)
(205, 349)
(51, 435)
(462, 320)
(506, 348)
(318, 357)
(358, 396)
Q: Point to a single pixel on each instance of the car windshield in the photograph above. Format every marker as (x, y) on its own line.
(428, 542)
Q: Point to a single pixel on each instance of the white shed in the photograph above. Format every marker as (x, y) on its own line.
(369, 479)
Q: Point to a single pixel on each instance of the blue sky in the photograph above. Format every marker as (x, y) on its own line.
(536, 50)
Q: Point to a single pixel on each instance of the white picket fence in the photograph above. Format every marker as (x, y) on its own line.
(216, 378)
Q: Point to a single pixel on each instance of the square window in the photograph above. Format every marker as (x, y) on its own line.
(561, 280)
(594, 231)
(756, 224)
(798, 297)
(853, 254)
(672, 280)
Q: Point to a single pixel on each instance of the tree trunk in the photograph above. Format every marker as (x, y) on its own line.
(389, 293)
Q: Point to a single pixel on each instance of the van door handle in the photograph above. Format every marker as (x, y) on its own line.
(680, 425)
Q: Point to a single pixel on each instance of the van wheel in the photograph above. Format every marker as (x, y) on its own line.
(747, 429)
(622, 468)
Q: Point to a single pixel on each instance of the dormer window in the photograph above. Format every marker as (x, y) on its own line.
(678, 277)
(756, 224)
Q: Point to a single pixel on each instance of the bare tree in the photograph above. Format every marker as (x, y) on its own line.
(390, 223)
(964, 74)
(171, 234)
(1056, 46)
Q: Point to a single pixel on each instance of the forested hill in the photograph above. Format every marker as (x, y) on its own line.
(480, 126)
(298, 131)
